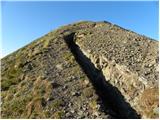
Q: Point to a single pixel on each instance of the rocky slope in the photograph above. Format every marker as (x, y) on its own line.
(82, 70)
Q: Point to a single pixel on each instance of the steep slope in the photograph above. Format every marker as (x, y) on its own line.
(82, 70)
(127, 60)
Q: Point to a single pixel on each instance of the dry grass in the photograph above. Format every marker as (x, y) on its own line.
(58, 115)
(88, 92)
(10, 78)
(18, 104)
(150, 101)
(93, 104)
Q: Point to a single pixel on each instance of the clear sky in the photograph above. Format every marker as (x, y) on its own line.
(23, 22)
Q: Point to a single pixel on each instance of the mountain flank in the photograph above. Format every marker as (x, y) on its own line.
(82, 70)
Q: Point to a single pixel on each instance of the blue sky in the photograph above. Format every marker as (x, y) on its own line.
(23, 22)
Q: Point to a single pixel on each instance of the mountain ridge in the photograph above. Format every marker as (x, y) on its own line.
(73, 66)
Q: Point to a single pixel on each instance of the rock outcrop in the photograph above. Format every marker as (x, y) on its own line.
(82, 70)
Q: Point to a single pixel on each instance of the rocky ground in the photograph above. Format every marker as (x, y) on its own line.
(128, 61)
(82, 70)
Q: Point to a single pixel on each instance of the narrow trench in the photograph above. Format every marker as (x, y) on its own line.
(110, 96)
